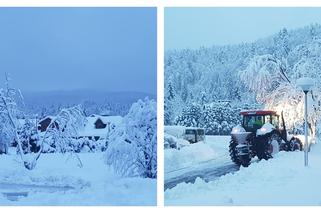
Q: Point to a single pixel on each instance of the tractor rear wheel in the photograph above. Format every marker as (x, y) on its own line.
(268, 147)
(233, 152)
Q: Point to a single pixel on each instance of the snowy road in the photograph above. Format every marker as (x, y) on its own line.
(15, 191)
(208, 171)
(218, 163)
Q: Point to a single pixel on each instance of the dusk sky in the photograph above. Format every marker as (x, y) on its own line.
(196, 27)
(110, 49)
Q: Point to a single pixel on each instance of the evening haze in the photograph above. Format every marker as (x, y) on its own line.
(107, 49)
(196, 27)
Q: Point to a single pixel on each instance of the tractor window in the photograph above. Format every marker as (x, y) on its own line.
(253, 121)
(275, 120)
(267, 119)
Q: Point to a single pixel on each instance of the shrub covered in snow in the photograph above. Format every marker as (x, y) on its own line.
(132, 150)
(191, 116)
(215, 118)
(173, 142)
(29, 137)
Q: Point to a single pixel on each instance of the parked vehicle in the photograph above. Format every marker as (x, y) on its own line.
(194, 134)
(183, 135)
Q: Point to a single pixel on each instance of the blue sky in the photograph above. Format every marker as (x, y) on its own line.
(111, 49)
(195, 27)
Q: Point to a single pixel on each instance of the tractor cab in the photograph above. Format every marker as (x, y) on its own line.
(254, 120)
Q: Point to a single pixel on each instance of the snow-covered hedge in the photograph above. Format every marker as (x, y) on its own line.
(217, 119)
(133, 149)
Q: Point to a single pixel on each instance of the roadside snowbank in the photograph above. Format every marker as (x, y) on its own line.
(282, 180)
(188, 155)
(93, 184)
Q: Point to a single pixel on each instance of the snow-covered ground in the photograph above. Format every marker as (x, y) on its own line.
(207, 160)
(57, 180)
(187, 156)
(282, 180)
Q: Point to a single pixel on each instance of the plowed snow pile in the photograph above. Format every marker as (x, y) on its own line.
(188, 155)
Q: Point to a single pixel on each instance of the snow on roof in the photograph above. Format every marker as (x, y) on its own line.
(90, 130)
(111, 119)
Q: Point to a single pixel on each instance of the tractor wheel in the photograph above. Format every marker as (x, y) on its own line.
(268, 147)
(245, 160)
(293, 145)
(233, 152)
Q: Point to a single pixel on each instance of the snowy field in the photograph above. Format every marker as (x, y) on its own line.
(58, 180)
(282, 180)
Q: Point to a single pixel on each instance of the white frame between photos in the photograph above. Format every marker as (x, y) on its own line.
(161, 5)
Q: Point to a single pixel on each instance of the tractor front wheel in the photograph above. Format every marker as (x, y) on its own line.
(233, 152)
(245, 160)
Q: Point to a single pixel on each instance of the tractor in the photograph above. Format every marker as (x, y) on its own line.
(260, 135)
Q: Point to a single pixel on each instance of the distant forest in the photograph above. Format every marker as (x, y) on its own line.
(195, 78)
(92, 102)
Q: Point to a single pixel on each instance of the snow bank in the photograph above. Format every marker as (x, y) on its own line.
(282, 180)
(187, 156)
(176, 131)
(171, 141)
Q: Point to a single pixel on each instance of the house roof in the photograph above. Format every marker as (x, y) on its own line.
(90, 130)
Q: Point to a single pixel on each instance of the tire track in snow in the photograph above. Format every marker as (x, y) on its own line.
(207, 170)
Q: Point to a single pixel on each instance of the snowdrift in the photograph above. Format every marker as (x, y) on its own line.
(188, 156)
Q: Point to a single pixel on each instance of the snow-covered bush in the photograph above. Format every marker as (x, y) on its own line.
(132, 150)
(29, 138)
(191, 116)
(215, 118)
(79, 145)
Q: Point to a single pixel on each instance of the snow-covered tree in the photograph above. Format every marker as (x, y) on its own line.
(191, 116)
(268, 64)
(9, 114)
(29, 137)
(132, 150)
(63, 128)
(274, 82)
